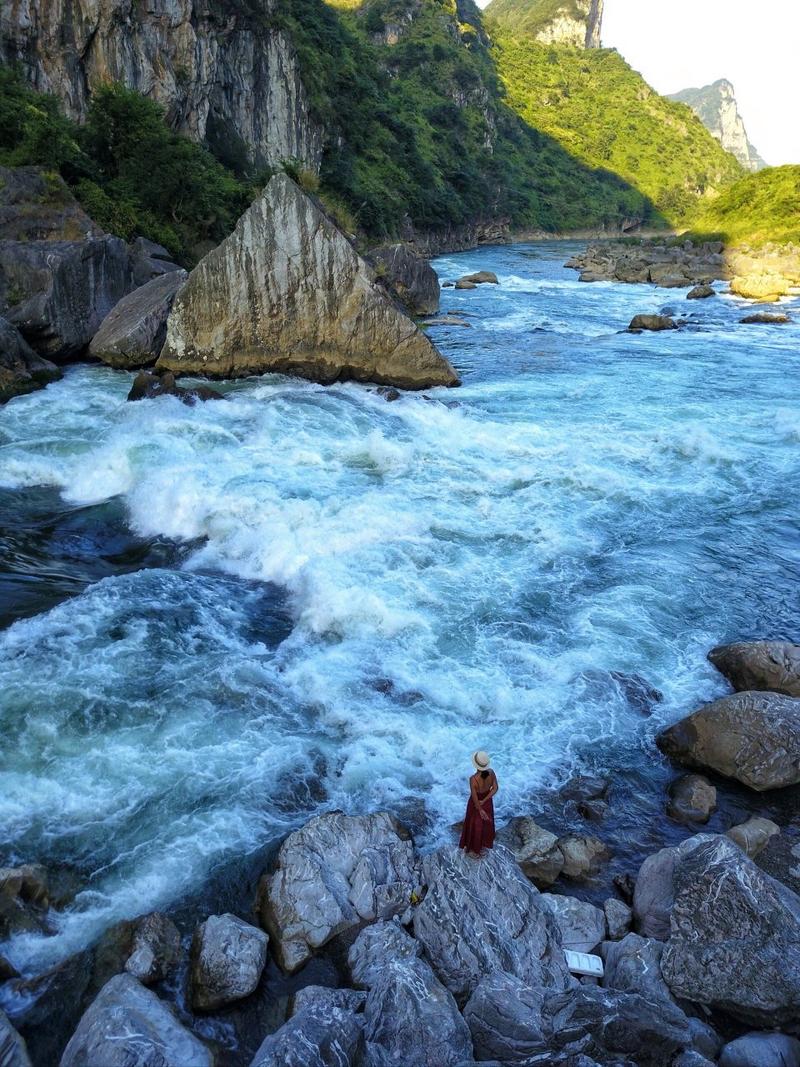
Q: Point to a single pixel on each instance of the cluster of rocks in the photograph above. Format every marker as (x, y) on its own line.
(286, 292)
(472, 281)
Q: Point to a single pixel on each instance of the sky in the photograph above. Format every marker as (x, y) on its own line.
(678, 44)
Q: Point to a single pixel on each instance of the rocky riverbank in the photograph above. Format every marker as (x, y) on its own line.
(362, 948)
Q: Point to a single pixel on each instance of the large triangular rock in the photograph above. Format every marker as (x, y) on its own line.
(287, 292)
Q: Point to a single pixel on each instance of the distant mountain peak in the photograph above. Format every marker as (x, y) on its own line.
(575, 23)
(716, 107)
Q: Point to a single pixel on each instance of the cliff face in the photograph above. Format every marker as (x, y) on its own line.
(715, 105)
(573, 23)
(222, 76)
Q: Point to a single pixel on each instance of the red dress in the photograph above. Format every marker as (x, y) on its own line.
(478, 833)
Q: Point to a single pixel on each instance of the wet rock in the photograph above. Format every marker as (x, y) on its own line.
(7, 970)
(701, 292)
(23, 900)
(734, 942)
(155, 948)
(770, 665)
(761, 1050)
(624, 885)
(21, 369)
(705, 1040)
(692, 798)
(582, 925)
(56, 293)
(754, 835)
(482, 277)
(317, 996)
(653, 895)
(321, 1035)
(535, 850)
(619, 918)
(409, 1016)
(228, 959)
(462, 283)
(13, 1050)
(287, 292)
(36, 205)
(633, 965)
(504, 1015)
(765, 318)
(482, 915)
(652, 322)
(752, 737)
(448, 320)
(133, 333)
(691, 1058)
(335, 873)
(389, 393)
(128, 1024)
(147, 385)
(583, 855)
(585, 787)
(408, 276)
(593, 810)
(448, 285)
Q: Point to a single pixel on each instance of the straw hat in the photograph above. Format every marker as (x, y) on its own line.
(481, 760)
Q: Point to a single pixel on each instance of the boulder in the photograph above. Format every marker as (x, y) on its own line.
(692, 798)
(766, 287)
(668, 276)
(334, 874)
(619, 918)
(128, 1024)
(147, 385)
(287, 292)
(36, 205)
(228, 959)
(633, 965)
(133, 333)
(761, 1050)
(582, 925)
(481, 915)
(765, 319)
(149, 260)
(318, 996)
(24, 900)
(505, 1019)
(7, 970)
(535, 850)
(408, 276)
(57, 293)
(652, 322)
(752, 737)
(585, 787)
(583, 855)
(21, 369)
(701, 292)
(13, 1050)
(632, 271)
(462, 283)
(754, 835)
(770, 665)
(155, 948)
(409, 1016)
(734, 942)
(481, 277)
(653, 894)
(321, 1035)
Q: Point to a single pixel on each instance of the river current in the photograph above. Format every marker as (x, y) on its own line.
(221, 619)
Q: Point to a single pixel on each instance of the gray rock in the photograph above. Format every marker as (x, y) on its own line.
(752, 737)
(128, 1024)
(36, 205)
(335, 873)
(462, 283)
(149, 260)
(147, 385)
(582, 925)
(705, 1040)
(317, 996)
(765, 318)
(619, 918)
(761, 1050)
(668, 276)
(585, 787)
(410, 277)
(481, 277)
(754, 835)
(691, 1058)
(287, 292)
(583, 855)
(228, 959)
(57, 293)
(535, 850)
(734, 940)
(155, 950)
(770, 665)
(652, 322)
(21, 369)
(24, 899)
(701, 292)
(481, 915)
(633, 965)
(409, 1016)
(318, 1036)
(692, 798)
(653, 895)
(504, 1015)
(133, 333)
(13, 1050)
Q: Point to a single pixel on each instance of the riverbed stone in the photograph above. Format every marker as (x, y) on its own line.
(318, 996)
(761, 1050)
(482, 915)
(13, 1050)
(754, 835)
(155, 948)
(24, 900)
(535, 849)
(481, 277)
(133, 333)
(147, 385)
(582, 925)
(287, 292)
(21, 369)
(505, 1018)
(321, 1035)
(701, 292)
(619, 918)
(633, 965)
(769, 665)
(228, 959)
(765, 318)
(753, 737)
(583, 855)
(692, 798)
(653, 894)
(334, 874)
(652, 322)
(463, 283)
(128, 1024)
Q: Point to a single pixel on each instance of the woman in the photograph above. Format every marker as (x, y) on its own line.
(478, 832)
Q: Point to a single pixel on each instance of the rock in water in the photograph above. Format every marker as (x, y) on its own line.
(734, 942)
(765, 318)
(21, 370)
(335, 873)
(770, 665)
(410, 277)
(482, 915)
(692, 798)
(147, 385)
(652, 322)
(228, 958)
(128, 1024)
(287, 292)
(701, 292)
(13, 1051)
(133, 333)
(752, 737)
(155, 948)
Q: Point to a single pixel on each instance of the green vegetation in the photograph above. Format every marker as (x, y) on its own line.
(529, 17)
(130, 172)
(759, 209)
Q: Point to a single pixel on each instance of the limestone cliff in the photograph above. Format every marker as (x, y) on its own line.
(574, 23)
(715, 105)
(287, 292)
(222, 75)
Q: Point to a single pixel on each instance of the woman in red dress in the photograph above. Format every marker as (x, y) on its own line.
(478, 832)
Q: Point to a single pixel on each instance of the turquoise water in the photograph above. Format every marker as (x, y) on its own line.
(340, 598)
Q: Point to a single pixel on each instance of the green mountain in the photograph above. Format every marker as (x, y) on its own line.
(576, 23)
(761, 208)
